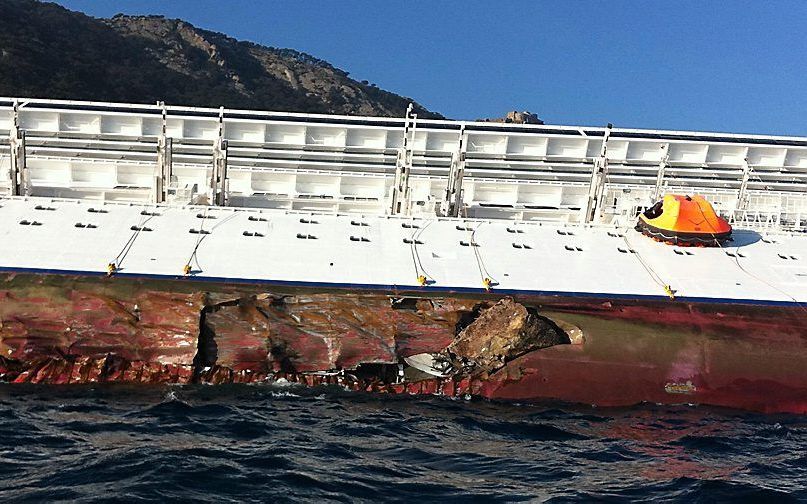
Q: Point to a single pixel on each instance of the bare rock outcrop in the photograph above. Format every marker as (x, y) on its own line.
(516, 117)
(502, 332)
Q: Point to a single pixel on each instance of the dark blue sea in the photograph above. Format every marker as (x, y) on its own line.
(274, 444)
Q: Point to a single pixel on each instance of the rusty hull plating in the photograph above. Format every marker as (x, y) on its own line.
(61, 329)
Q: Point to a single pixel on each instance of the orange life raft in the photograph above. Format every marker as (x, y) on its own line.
(684, 220)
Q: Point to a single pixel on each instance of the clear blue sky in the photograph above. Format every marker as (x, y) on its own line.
(708, 65)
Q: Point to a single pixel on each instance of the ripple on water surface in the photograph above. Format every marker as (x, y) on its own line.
(263, 443)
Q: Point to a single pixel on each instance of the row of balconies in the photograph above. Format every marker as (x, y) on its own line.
(480, 140)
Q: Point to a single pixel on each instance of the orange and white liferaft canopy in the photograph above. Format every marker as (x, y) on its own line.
(684, 220)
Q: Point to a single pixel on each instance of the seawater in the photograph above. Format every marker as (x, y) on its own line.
(264, 443)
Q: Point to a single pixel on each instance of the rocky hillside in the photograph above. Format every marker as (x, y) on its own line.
(48, 51)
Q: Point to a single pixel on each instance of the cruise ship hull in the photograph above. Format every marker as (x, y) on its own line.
(78, 329)
(749, 357)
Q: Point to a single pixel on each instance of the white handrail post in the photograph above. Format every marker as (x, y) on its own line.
(164, 160)
(399, 202)
(598, 174)
(218, 181)
(742, 195)
(18, 172)
(452, 199)
(662, 168)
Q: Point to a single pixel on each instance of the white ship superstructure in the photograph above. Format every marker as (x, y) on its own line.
(394, 204)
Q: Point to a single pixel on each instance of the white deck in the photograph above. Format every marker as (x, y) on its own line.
(369, 251)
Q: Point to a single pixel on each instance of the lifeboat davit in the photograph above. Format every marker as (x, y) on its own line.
(684, 220)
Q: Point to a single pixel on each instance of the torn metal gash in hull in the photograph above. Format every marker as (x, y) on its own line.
(62, 329)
